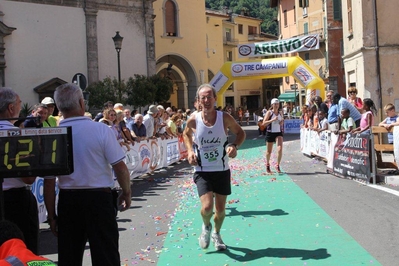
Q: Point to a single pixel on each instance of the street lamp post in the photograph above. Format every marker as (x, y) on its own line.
(118, 47)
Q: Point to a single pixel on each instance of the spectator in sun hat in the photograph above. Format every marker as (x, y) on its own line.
(149, 121)
(50, 121)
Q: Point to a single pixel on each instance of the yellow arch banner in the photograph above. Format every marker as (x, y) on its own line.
(265, 69)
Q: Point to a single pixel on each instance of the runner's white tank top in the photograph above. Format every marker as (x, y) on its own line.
(211, 142)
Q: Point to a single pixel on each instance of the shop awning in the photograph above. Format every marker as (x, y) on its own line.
(288, 96)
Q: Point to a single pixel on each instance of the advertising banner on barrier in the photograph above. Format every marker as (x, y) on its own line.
(324, 144)
(352, 156)
(292, 126)
(142, 158)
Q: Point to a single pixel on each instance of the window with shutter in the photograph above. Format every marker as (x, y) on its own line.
(303, 3)
(285, 18)
(170, 18)
(350, 25)
(337, 9)
(240, 29)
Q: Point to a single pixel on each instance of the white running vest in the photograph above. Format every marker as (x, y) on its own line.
(211, 142)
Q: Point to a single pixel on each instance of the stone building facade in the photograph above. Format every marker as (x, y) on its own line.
(45, 43)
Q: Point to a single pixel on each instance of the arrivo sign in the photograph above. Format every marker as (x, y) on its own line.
(297, 44)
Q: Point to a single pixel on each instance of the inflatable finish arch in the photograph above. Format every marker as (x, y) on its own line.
(268, 68)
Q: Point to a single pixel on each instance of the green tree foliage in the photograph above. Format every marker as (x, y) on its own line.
(102, 91)
(163, 87)
(142, 90)
(138, 91)
(26, 110)
(257, 8)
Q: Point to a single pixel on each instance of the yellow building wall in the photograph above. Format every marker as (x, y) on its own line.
(190, 44)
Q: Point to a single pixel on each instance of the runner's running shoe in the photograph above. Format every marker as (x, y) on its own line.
(268, 169)
(218, 242)
(205, 237)
(278, 169)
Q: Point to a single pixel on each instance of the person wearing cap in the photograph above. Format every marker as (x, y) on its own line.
(149, 121)
(20, 205)
(50, 121)
(207, 130)
(274, 122)
(161, 130)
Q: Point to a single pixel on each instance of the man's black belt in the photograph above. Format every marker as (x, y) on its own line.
(100, 189)
(25, 188)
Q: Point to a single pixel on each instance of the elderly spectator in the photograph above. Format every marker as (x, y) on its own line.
(87, 205)
(139, 131)
(127, 116)
(149, 121)
(169, 111)
(20, 206)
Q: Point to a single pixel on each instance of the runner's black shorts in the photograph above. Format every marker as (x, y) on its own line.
(217, 182)
(271, 137)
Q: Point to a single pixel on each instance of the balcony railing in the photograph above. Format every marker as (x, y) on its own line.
(230, 41)
(256, 37)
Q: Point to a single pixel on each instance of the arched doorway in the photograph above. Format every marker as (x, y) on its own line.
(183, 76)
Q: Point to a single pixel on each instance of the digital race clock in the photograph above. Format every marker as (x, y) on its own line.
(36, 152)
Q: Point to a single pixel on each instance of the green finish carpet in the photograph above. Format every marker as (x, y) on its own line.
(269, 221)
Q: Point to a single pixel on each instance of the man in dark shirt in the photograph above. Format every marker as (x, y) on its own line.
(39, 110)
(320, 104)
(100, 115)
(138, 128)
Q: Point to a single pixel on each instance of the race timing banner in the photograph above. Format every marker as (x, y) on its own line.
(297, 44)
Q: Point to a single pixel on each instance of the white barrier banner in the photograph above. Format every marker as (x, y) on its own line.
(313, 143)
(324, 144)
(396, 143)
